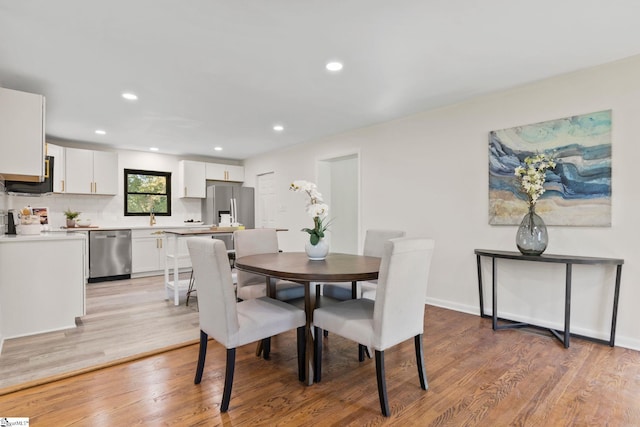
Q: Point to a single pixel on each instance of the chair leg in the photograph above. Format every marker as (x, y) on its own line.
(382, 384)
(266, 348)
(317, 356)
(302, 349)
(420, 362)
(201, 357)
(361, 350)
(190, 290)
(228, 379)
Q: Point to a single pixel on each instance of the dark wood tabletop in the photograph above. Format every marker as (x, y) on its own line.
(297, 266)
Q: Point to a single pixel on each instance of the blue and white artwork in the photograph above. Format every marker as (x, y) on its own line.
(578, 189)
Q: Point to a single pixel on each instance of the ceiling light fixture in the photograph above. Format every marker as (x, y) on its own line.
(130, 96)
(334, 66)
(101, 132)
(278, 128)
(154, 149)
(217, 148)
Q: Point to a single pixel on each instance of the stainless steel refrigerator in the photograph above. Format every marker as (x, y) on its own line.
(231, 199)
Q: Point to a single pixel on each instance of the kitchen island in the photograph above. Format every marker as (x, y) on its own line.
(42, 283)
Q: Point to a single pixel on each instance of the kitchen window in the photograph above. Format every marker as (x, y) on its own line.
(146, 192)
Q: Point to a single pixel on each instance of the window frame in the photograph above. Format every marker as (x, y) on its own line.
(166, 175)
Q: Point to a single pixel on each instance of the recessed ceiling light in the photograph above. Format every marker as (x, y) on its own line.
(130, 96)
(154, 149)
(101, 132)
(217, 148)
(278, 128)
(334, 66)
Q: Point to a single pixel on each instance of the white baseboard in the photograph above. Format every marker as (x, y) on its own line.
(621, 341)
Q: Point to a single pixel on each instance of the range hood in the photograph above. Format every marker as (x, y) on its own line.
(28, 188)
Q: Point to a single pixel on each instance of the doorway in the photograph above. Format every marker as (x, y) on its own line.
(339, 183)
(266, 201)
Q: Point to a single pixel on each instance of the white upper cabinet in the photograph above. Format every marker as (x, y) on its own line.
(192, 179)
(57, 153)
(220, 172)
(91, 172)
(22, 135)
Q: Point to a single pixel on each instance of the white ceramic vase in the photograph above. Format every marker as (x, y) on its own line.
(317, 252)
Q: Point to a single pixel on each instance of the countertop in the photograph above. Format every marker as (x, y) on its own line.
(43, 236)
(138, 227)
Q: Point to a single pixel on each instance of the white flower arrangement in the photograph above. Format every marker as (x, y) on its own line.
(532, 177)
(316, 209)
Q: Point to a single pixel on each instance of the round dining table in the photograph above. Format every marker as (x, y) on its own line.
(297, 267)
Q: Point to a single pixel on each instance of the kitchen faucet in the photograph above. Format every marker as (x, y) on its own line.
(152, 218)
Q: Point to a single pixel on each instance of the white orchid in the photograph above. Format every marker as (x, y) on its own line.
(316, 208)
(532, 177)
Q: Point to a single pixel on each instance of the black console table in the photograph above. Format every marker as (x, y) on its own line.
(569, 260)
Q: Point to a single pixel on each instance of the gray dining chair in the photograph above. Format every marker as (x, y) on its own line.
(373, 246)
(396, 315)
(249, 285)
(233, 323)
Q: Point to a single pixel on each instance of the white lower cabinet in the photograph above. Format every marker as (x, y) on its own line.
(148, 252)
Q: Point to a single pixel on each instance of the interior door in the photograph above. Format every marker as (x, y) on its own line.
(266, 214)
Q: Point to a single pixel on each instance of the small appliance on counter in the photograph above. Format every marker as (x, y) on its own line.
(12, 218)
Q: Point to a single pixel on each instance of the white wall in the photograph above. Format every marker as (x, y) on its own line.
(433, 167)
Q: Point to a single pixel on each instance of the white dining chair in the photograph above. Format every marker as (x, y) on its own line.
(396, 315)
(233, 323)
(373, 246)
(254, 242)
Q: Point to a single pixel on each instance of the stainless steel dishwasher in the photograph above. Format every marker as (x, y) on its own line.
(109, 255)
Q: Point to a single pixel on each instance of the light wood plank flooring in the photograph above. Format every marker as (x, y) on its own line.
(125, 319)
(477, 377)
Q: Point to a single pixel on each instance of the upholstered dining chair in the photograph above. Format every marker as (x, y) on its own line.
(233, 323)
(396, 315)
(261, 241)
(373, 246)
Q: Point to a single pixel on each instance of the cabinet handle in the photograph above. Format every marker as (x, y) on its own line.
(95, 187)
(160, 241)
(62, 185)
(185, 191)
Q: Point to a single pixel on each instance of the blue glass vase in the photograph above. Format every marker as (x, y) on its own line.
(532, 237)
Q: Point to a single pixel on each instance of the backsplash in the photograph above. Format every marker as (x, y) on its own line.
(101, 210)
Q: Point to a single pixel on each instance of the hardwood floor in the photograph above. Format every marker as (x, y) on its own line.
(125, 319)
(476, 377)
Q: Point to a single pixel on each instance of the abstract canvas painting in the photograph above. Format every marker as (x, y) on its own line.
(578, 189)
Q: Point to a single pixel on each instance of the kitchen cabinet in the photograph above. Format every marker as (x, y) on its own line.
(42, 283)
(58, 167)
(148, 251)
(220, 172)
(192, 179)
(22, 135)
(91, 172)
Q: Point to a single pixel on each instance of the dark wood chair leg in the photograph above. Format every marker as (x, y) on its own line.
(202, 355)
(361, 350)
(302, 348)
(382, 384)
(266, 348)
(317, 356)
(420, 362)
(228, 379)
(326, 333)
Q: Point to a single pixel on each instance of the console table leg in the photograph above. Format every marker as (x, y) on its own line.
(480, 290)
(567, 307)
(614, 316)
(495, 293)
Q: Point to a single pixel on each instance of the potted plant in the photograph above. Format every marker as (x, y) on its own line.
(71, 217)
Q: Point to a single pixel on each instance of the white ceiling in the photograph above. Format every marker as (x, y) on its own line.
(223, 72)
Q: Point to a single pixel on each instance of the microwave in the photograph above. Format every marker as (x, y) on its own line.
(44, 187)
